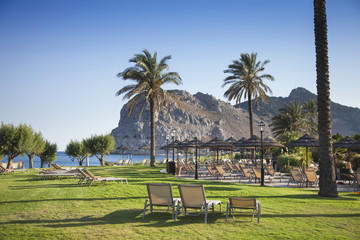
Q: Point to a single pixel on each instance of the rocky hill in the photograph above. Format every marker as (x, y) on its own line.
(345, 120)
(203, 116)
(200, 115)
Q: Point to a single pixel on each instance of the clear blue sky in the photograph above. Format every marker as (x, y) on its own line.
(59, 59)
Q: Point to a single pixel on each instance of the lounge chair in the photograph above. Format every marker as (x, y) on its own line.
(144, 161)
(127, 161)
(221, 172)
(93, 178)
(247, 174)
(121, 162)
(160, 195)
(257, 174)
(3, 170)
(311, 177)
(276, 175)
(244, 204)
(296, 176)
(15, 167)
(193, 197)
(211, 172)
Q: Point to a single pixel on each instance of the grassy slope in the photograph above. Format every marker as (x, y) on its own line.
(61, 209)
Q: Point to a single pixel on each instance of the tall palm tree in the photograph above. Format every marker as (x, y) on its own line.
(246, 80)
(290, 119)
(149, 76)
(327, 183)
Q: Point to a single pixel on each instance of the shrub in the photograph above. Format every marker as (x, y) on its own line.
(237, 156)
(286, 160)
(355, 162)
(342, 167)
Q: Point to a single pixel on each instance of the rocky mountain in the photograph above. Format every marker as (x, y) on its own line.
(200, 115)
(205, 117)
(345, 120)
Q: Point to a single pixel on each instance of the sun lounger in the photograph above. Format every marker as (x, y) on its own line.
(357, 180)
(160, 195)
(15, 167)
(246, 174)
(236, 203)
(276, 175)
(311, 178)
(257, 174)
(221, 173)
(211, 172)
(144, 161)
(93, 178)
(296, 176)
(193, 197)
(127, 161)
(121, 162)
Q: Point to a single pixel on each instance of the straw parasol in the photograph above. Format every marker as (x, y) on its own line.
(176, 144)
(347, 142)
(218, 144)
(238, 144)
(271, 142)
(231, 140)
(145, 147)
(123, 148)
(305, 141)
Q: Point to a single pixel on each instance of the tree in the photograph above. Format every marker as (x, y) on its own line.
(149, 76)
(36, 147)
(290, 119)
(310, 111)
(14, 141)
(246, 80)
(48, 155)
(77, 150)
(327, 182)
(100, 146)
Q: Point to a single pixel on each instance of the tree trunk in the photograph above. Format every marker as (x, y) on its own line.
(31, 160)
(327, 181)
(10, 160)
(250, 115)
(152, 134)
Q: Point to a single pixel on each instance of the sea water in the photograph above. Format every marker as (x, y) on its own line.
(64, 160)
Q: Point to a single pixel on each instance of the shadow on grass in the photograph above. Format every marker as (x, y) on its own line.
(74, 199)
(67, 185)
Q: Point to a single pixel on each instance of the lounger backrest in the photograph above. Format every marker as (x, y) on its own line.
(121, 161)
(210, 170)
(220, 169)
(257, 172)
(310, 175)
(295, 174)
(127, 161)
(242, 165)
(192, 196)
(237, 167)
(160, 194)
(144, 161)
(296, 168)
(270, 169)
(244, 203)
(2, 168)
(82, 172)
(89, 173)
(56, 166)
(246, 172)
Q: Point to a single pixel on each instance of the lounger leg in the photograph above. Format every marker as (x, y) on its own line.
(91, 182)
(206, 213)
(227, 211)
(143, 216)
(258, 211)
(177, 210)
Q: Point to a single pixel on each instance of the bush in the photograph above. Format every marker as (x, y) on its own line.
(286, 160)
(342, 167)
(237, 156)
(355, 162)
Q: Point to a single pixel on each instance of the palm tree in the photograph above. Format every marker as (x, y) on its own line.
(246, 80)
(149, 76)
(310, 110)
(290, 119)
(327, 183)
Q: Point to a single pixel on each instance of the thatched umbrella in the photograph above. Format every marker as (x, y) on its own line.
(176, 144)
(347, 142)
(253, 142)
(123, 148)
(145, 147)
(231, 140)
(195, 144)
(271, 142)
(218, 144)
(238, 144)
(305, 141)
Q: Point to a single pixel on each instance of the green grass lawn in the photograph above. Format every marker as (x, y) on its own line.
(31, 208)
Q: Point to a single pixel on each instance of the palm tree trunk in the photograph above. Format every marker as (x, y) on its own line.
(152, 129)
(250, 115)
(327, 182)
